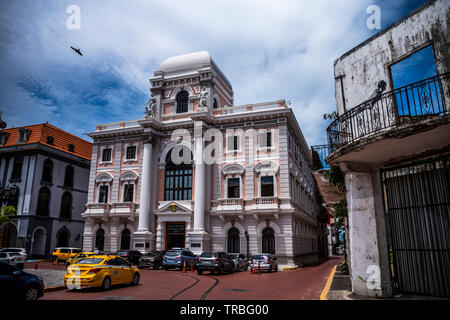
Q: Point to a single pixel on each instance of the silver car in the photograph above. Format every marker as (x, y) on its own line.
(240, 262)
(13, 258)
(265, 262)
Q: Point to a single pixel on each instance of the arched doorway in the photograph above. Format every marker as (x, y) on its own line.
(39, 239)
(62, 238)
(268, 240)
(125, 239)
(12, 236)
(100, 239)
(233, 245)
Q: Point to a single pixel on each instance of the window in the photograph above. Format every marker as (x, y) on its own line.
(43, 202)
(50, 140)
(182, 100)
(125, 239)
(14, 197)
(66, 206)
(17, 168)
(268, 241)
(178, 178)
(103, 194)
(47, 171)
(3, 138)
(128, 192)
(234, 185)
(267, 186)
(131, 152)
(265, 139)
(24, 134)
(68, 177)
(100, 240)
(62, 239)
(71, 148)
(233, 241)
(106, 155)
(215, 104)
(233, 143)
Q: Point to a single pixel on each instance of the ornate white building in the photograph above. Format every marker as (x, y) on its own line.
(257, 196)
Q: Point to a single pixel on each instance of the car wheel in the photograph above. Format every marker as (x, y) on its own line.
(220, 270)
(135, 280)
(53, 260)
(31, 294)
(20, 266)
(200, 272)
(106, 284)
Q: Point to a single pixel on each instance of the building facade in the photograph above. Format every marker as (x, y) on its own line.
(198, 172)
(46, 171)
(391, 140)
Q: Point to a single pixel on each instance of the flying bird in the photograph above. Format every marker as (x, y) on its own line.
(77, 51)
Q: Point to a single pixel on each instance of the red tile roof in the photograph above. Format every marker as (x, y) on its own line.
(61, 139)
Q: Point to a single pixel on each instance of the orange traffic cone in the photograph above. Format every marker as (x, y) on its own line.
(252, 269)
(184, 266)
(57, 261)
(259, 267)
(192, 266)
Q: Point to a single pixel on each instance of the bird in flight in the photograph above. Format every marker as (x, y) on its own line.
(77, 51)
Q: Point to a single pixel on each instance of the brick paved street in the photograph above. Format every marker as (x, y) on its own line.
(305, 283)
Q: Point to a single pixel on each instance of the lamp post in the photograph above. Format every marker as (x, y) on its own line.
(247, 237)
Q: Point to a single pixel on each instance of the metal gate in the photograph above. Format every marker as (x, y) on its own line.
(417, 205)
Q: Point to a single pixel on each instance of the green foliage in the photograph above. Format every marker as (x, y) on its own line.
(330, 116)
(343, 268)
(340, 209)
(336, 177)
(6, 212)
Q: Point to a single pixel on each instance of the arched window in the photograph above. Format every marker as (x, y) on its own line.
(68, 178)
(215, 104)
(268, 241)
(17, 168)
(178, 178)
(100, 239)
(233, 241)
(43, 202)
(66, 206)
(62, 238)
(125, 239)
(182, 99)
(47, 171)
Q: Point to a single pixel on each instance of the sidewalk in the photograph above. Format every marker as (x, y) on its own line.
(52, 278)
(341, 289)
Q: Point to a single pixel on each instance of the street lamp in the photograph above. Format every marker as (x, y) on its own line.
(246, 236)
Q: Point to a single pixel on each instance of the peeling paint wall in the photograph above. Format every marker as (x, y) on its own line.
(363, 67)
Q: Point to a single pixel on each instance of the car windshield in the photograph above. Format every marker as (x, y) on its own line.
(259, 257)
(233, 256)
(151, 254)
(172, 253)
(209, 254)
(121, 253)
(90, 261)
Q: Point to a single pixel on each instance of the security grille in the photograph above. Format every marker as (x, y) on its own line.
(417, 204)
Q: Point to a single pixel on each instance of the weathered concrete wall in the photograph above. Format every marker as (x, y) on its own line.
(364, 66)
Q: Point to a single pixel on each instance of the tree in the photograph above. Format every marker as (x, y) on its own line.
(6, 212)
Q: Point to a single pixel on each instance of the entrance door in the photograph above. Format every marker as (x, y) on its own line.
(417, 202)
(175, 235)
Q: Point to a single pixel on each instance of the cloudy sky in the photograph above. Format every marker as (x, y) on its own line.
(268, 49)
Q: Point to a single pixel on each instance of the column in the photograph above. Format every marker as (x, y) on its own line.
(143, 237)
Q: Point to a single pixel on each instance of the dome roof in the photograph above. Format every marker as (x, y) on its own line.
(186, 61)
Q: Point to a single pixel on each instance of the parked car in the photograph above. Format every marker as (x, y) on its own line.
(64, 254)
(13, 258)
(240, 261)
(17, 284)
(215, 262)
(101, 271)
(20, 251)
(152, 260)
(175, 258)
(266, 262)
(132, 256)
(78, 257)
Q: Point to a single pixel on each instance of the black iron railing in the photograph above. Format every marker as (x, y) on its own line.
(410, 103)
(319, 153)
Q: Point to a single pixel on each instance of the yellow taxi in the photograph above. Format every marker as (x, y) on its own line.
(78, 257)
(64, 254)
(100, 271)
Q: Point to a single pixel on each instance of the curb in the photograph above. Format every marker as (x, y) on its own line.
(55, 288)
(323, 295)
(289, 268)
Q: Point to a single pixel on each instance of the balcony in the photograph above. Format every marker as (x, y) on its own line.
(250, 108)
(399, 122)
(98, 210)
(124, 209)
(234, 205)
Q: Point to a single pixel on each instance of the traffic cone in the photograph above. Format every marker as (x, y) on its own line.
(252, 269)
(184, 266)
(192, 266)
(36, 266)
(259, 268)
(57, 261)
